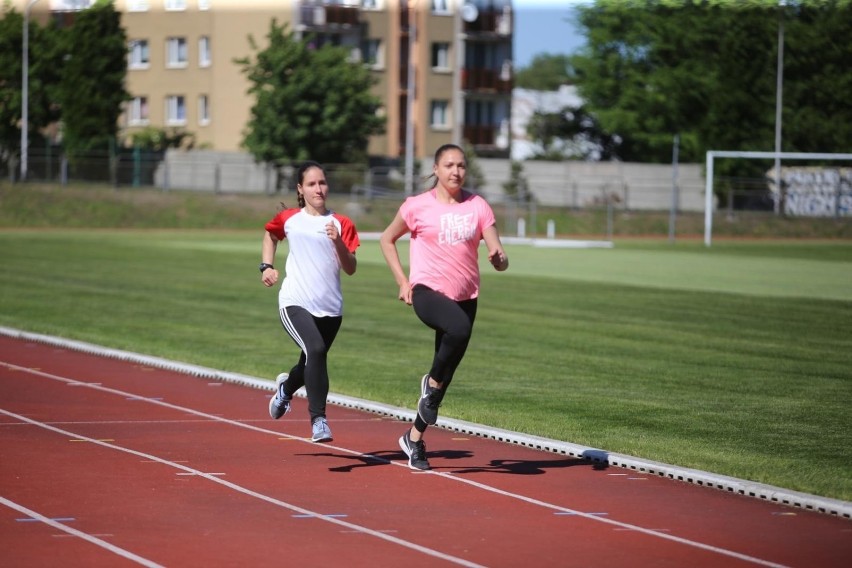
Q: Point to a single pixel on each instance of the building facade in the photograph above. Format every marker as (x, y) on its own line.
(446, 64)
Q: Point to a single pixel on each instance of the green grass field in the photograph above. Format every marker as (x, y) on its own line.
(735, 359)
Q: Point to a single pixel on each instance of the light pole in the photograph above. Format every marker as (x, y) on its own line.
(25, 95)
(409, 100)
(779, 96)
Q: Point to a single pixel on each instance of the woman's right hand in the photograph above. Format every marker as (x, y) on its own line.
(405, 293)
(269, 277)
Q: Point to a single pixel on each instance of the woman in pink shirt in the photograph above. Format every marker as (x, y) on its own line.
(446, 224)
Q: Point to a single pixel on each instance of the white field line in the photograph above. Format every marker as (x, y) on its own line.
(80, 534)
(245, 491)
(816, 503)
(448, 476)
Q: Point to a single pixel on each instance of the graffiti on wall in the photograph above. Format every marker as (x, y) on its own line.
(815, 192)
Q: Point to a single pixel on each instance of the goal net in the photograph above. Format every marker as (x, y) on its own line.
(822, 191)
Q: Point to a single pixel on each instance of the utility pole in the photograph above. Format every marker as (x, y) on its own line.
(409, 99)
(779, 96)
(25, 95)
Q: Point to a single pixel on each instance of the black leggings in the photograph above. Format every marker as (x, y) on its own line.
(314, 337)
(453, 325)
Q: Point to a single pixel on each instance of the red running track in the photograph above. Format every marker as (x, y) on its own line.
(110, 463)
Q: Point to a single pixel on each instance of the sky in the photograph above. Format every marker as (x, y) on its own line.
(541, 27)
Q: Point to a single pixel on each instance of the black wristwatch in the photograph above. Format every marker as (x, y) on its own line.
(264, 266)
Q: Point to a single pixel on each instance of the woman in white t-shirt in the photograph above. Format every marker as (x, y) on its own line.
(446, 224)
(310, 301)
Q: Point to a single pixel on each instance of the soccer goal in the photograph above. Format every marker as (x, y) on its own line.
(713, 154)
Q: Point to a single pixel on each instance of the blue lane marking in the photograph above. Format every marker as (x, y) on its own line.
(57, 519)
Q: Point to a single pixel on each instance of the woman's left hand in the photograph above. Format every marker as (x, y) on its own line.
(498, 259)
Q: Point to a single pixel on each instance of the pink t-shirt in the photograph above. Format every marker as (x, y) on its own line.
(312, 271)
(444, 250)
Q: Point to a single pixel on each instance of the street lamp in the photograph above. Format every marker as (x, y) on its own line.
(25, 95)
(409, 100)
(779, 96)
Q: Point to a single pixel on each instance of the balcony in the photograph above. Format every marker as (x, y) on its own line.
(486, 80)
(480, 135)
(498, 22)
(322, 16)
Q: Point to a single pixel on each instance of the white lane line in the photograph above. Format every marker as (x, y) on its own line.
(80, 534)
(450, 476)
(251, 493)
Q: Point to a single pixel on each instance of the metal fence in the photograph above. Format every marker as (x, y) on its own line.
(572, 185)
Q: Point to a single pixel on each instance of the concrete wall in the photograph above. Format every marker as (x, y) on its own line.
(559, 184)
(584, 184)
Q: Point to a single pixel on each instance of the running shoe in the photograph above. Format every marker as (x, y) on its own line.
(430, 400)
(320, 431)
(279, 404)
(416, 452)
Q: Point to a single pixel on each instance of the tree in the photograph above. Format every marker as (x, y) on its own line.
(474, 176)
(545, 73)
(157, 139)
(310, 103)
(707, 71)
(517, 187)
(92, 90)
(571, 133)
(45, 59)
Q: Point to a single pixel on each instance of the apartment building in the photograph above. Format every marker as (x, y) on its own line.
(445, 63)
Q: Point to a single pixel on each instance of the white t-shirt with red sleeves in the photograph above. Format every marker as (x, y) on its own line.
(444, 250)
(312, 272)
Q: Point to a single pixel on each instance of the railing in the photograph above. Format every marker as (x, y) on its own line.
(480, 135)
(485, 80)
(328, 15)
(490, 22)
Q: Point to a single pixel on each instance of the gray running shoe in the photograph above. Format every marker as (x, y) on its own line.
(430, 400)
(416, 452)
(320, 431)
(279, 404)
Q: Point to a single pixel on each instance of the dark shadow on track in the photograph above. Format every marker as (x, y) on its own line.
(383, 457)
(526, 467)
(514, 467)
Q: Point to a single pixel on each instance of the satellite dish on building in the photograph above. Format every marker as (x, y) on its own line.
(469, 12)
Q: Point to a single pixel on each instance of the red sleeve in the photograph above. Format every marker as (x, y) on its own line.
(276, 224)
(348, 232)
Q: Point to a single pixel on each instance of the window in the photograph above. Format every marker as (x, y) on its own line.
(371, 4)
(137, 111)
(138, 54)
(71, 5)
(203, 5)
(372, 53)
(138, 5)
(203, 110)
(204, 51)
(441, 7)
(175, 5)
(440, 114)
(175, 110)
(441, 56)
(176, 52)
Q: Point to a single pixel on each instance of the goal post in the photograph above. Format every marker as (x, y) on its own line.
(713, 154)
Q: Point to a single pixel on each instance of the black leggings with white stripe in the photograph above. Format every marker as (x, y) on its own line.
(314, 336)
